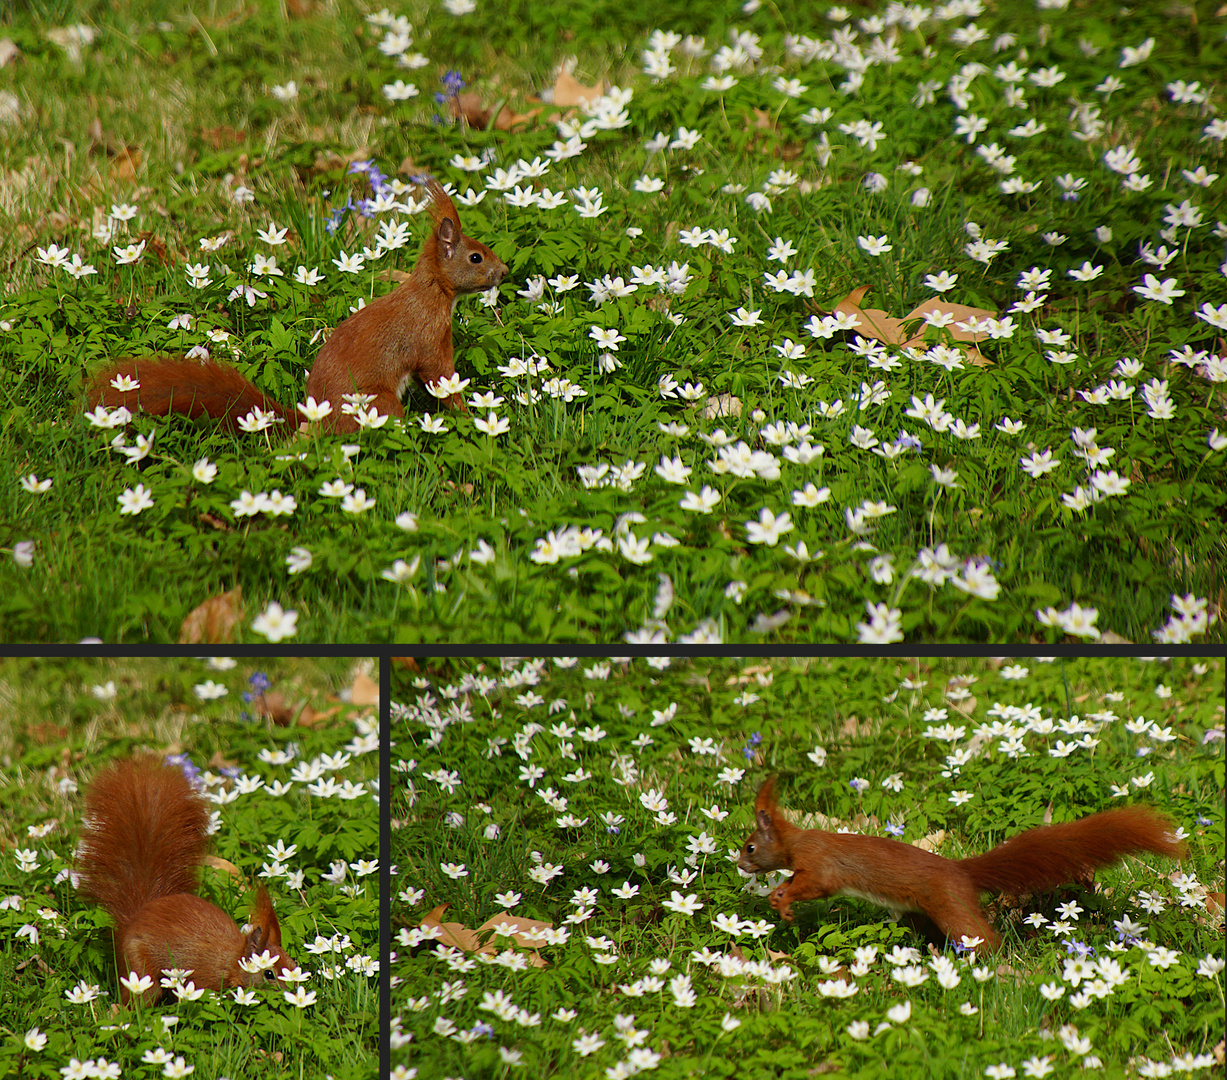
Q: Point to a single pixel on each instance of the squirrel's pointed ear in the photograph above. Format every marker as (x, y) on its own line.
(766, 795)
(257, 941)
(265, 930)
(447, 235)
(440, 206)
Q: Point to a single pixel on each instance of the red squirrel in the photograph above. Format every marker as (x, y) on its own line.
(403, 334)
(146, 830)
(904, 878)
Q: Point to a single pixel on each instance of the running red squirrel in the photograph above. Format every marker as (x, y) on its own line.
(146, 830)
(904, 878)
(404, 334)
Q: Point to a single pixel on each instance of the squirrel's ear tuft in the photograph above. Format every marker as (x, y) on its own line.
(440, 206)
(766, 795)
(264, 920)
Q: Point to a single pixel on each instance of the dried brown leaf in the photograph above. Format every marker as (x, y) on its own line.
(463, 937)
(224, 865)
(903, 332)
(328, 162)
(469, 108)
(507, 119)
(364, 690)
(721, 405)
(155, 245)
(125, 167)
(522, 927)
(309, 718)
(570, 91)
(763, 120)
(214, 620)
(748, 675)
(222, 137)
(274, 706)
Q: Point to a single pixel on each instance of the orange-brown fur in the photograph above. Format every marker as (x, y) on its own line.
(189, 387)
(402, 335)
(904, 878)
(146, 832)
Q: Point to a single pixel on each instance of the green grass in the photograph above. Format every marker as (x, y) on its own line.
(171, 113)
(62, 721)
(560, 758)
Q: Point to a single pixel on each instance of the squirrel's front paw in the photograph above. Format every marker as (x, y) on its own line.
(779, 900)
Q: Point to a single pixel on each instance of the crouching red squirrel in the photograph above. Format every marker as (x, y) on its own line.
(404, 334)
(146, 830)
(904, 878)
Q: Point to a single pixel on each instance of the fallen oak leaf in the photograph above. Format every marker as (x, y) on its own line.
(214, 620)
(961, 312)
(125, 165)
(331, 161)
(364, 690)
(463, 937)
(877, 324)
(156, 246)
(524, 929)
(570, 91)
(451, 933)
(275, 707)
(507, 119)
(500, 115)
(874, 322)
(721, 405)
(214, 522)
(469, 108)
(222, 137)
(763, 120)
(226, 867)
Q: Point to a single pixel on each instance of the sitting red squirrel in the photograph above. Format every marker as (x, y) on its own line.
(404, 334)
(145, 834)
(904, 878)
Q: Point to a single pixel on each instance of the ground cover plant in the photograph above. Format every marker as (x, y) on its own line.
(566, 900)
(294, 774)
(887, 323)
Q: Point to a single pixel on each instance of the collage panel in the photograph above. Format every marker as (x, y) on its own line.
(191, 877)
(998, 867)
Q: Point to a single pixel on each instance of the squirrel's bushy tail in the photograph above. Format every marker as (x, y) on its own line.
(145, 834)
(1052, 855)
(190, 387)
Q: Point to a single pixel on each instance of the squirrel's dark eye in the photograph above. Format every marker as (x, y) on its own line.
(475, 258)
(269, 975)
(749, 849)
